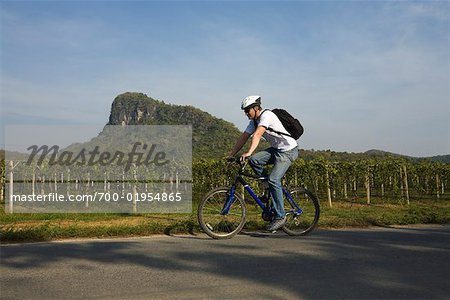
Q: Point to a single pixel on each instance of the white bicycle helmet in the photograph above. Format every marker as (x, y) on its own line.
(250, 101)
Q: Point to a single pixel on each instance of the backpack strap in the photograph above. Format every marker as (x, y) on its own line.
(254, 120)
(268, 128)
(279, 132)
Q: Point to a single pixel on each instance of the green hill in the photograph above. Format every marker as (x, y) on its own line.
(381, 154)
(211, 137)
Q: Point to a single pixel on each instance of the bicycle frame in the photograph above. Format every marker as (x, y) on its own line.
(222, 213)
(239, 179)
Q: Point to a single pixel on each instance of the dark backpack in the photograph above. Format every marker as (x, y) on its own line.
(291, 124)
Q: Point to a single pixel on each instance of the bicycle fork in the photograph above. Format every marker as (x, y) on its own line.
(228, 201)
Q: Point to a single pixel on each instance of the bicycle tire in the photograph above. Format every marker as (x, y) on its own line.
(304, 223)
(213, 223)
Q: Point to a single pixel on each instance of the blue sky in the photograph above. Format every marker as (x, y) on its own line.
(359, 75)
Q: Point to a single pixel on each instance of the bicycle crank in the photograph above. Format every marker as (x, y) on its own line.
(267, 216)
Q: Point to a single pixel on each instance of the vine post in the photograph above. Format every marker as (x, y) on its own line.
(405, 184)
(367, 185)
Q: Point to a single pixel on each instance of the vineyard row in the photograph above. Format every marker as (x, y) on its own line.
(333, 180)
(330, 180)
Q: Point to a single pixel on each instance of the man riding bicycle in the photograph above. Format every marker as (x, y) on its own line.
(283, 151)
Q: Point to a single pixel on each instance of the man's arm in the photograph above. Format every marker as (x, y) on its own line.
(240, 143)
(255, 141)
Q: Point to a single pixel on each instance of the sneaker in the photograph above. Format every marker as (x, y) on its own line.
(276, 224)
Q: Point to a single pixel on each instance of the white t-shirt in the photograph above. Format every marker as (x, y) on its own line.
(269, 120)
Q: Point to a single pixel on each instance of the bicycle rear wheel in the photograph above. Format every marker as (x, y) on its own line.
(211, 220)
(304, 221)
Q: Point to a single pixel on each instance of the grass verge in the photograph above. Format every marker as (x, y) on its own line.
(45, 227)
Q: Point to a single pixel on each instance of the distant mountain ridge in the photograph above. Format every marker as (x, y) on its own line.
(212, 137)
(381, 153)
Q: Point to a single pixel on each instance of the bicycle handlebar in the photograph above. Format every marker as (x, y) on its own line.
(232, 159)
(237, 160)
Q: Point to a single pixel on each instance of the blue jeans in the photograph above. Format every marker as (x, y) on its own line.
(281, 162)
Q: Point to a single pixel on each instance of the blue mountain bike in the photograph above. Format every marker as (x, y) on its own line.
(222, 212)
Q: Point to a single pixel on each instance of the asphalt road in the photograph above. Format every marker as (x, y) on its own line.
(353, 263)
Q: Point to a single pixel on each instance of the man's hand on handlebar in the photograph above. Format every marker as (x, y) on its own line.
(244, 157)
(241, 160)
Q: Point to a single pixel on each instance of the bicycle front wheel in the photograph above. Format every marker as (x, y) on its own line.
(215, 224)
(303, 219)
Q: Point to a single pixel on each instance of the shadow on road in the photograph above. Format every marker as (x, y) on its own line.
(370, 263)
